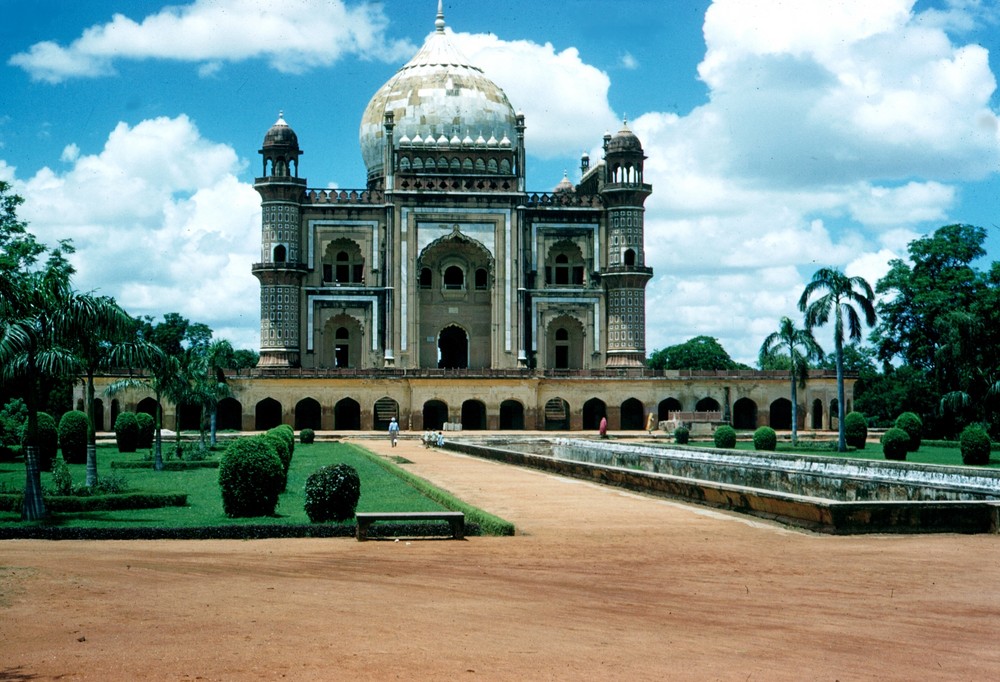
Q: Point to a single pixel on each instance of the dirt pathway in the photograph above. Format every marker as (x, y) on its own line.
(601, 584)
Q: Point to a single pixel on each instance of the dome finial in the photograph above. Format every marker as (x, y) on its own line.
(439, 21)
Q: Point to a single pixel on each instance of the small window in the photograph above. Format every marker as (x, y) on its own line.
(481, 278)
(562, 269)
(425, 278)
(454, 278)
(279, 253)
(629, 257)
(562, 334)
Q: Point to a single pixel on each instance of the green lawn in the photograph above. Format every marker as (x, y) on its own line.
(381, 490)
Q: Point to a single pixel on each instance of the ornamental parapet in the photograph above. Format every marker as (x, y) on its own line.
(562, 200)
(344, 196)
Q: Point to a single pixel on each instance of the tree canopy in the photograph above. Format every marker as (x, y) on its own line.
(700, 352)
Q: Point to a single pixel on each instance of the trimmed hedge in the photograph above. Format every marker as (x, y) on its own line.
(307, 436)
(765, 438)
(86, 503)
(975, 444)
(126, 432)
(856, 430)
(280, 446)
(332, 493)
(246, 531)
(725, 437)
(681, 435)
(895, 444)
(73, 427)
(169, 465)
(147, 429)
(251, 477)
(912, 424)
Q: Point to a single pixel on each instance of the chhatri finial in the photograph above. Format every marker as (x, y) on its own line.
(439, 21)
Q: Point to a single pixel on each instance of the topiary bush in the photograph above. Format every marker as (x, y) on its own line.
(856, 430)
(12, 419)
(147, 429)
(307, 436)
(725, 437)
(126, 432)
(895, 444)
(73, 428)
(332, 493)
(975, 445)
(912, 424)
(281, 449)
(764, 438)
(47, 443)
(250, 477)
(289, 433)
(681, 435)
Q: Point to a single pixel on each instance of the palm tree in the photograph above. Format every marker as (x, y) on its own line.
(218, 357)
(164, 380)
(790, 340)
(33, 307)
(101, 330)
(844, 298)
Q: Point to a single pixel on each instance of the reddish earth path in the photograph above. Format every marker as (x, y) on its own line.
(600, 585)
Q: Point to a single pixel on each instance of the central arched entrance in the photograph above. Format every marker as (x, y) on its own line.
(453, 348)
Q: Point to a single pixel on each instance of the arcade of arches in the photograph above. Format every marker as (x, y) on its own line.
(496, 403)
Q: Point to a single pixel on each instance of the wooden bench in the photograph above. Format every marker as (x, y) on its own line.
(454, 518)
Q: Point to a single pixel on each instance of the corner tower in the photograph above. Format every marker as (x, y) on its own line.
(624, 193)
(280, 269)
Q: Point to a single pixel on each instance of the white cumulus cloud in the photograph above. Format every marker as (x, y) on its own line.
(160, 221)
(291, 36)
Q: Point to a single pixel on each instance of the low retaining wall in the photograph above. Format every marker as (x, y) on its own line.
(815, 513)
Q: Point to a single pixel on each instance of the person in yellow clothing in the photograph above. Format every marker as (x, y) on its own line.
(650, 423)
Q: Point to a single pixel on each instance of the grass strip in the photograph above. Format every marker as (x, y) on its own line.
(488, 523)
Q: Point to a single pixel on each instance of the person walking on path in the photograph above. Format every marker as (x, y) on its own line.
(603, 429)
(393, 431)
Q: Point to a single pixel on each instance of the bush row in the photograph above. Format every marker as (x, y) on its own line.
(12, 502)
(233, 532)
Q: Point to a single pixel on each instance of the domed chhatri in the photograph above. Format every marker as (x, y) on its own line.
(281, 134)
(624, 141)
(437, 94)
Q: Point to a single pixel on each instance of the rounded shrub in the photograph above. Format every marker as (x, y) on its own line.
(895, 444)
(332, 493)
(307, 436)
(250, 477)
(975, 445)
(147, 429)
(855, 430)
(47, 443)
(73, 427)
(126, 432)
(912, 424)
(281, 449)
(682, 435)
(725, 437)
(764, 438)
(286, 433)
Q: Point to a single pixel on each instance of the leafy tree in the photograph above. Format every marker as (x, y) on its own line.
(244, 359)
(850, 300)
(799, 346)
(940, 315)
(700, 352)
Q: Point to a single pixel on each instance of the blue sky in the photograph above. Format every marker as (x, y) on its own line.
(782, 137)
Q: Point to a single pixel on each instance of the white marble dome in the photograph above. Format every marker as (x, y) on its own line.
(437, 94)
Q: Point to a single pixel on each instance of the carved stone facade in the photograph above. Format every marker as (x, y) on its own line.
(444, 260)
